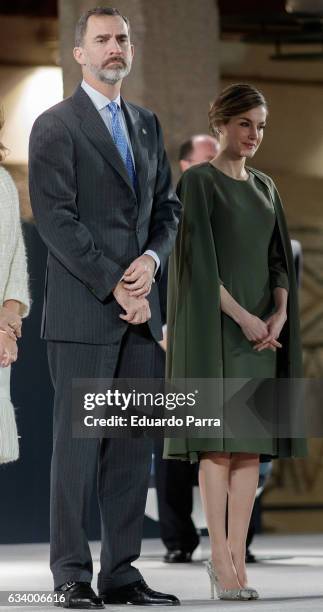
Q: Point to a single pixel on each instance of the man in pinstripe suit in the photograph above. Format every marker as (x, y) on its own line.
(101, 193)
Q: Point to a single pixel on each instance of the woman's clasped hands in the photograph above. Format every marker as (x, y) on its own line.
(264, 334)
(10, 330)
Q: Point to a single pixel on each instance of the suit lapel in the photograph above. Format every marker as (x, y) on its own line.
(96, 131)
(138, 137)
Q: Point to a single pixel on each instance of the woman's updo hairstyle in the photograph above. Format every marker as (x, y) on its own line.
(232, 101)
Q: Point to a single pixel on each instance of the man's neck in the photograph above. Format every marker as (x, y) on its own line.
(107, 89)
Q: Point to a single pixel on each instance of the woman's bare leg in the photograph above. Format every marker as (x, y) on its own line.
(214, 475)
(243, 482)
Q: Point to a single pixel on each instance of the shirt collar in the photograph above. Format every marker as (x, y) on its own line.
(99, 100)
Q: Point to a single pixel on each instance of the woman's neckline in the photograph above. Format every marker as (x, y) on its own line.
(228, 175)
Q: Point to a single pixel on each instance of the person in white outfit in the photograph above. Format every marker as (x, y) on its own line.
(14, 304)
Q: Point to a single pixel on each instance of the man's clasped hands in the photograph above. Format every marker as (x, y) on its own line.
(132, 290)
(130, 293)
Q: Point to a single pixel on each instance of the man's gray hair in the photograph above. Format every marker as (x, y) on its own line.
(81, 25)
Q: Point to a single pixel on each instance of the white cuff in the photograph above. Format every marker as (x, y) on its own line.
(155, 257)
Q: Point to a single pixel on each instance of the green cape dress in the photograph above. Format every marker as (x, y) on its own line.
(233, 233)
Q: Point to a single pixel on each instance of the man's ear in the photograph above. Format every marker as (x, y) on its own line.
(78, 55)
(132, 49)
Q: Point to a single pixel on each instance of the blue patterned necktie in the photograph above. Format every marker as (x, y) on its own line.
(120, 140)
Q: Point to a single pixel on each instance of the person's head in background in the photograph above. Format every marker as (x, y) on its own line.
(3, 149)
(196, 150)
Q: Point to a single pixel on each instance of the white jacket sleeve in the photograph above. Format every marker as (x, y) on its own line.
(16, 287)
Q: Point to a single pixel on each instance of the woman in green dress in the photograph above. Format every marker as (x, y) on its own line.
(232, 314)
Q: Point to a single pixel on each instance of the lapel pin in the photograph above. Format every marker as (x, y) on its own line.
(144, 131)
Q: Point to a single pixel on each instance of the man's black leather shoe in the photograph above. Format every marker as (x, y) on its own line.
(77, 595)
(139, 594)
(178, 556)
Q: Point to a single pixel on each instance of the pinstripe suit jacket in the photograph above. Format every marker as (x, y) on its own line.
(91, 219)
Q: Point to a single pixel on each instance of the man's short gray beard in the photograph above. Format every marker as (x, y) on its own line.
(108, 75)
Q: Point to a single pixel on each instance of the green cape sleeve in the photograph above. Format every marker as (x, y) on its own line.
(194, 314)
(290, 356)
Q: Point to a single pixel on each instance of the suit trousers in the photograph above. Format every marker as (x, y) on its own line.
(121, 467)
(174, 486)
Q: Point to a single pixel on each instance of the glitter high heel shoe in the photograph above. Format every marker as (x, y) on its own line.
(231, 594)
(253, 593)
